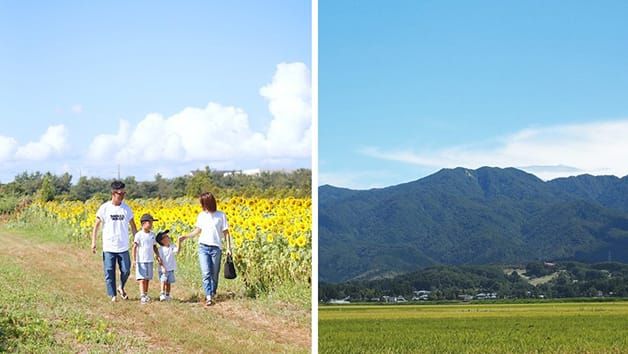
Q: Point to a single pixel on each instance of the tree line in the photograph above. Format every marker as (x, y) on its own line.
(567, 279)
(47, 186)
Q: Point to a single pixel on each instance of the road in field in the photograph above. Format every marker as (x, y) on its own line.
(467, 328)
(64, 283)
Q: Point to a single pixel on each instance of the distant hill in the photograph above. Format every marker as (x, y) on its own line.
(537, 279)
(462, 216)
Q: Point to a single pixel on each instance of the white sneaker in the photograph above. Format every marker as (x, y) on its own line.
(144, 299)
(208, 300)
(168, 298)
(113, 299)
(163, 297)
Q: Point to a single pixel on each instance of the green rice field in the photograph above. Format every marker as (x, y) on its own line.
(475, 328)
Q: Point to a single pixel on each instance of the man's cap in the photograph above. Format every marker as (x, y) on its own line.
(117, 185)
(160, 236)
(147, 217)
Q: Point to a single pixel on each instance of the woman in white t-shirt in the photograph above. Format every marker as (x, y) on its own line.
(212, 226)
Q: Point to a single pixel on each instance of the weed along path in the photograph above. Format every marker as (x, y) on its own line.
(53, 299)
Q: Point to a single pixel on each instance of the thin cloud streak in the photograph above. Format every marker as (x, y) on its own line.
(550, 152)
(355, 179)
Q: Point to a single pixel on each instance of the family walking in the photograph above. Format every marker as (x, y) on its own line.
(116, 217)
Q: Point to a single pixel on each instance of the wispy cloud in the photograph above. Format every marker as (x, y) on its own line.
(549, 152)
(355, 179)
(76, 108)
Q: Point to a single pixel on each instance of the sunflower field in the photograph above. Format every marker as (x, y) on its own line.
(272, 238)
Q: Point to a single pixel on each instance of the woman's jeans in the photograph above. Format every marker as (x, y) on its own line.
(209, 259)
(109, 260)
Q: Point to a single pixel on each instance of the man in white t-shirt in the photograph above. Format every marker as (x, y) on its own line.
(115, 216)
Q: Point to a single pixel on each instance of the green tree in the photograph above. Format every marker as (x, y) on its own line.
(200, 182)
(63, 183)
(86, 188)
(46, 192)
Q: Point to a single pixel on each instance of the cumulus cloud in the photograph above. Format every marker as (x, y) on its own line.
(52, 143)
(8, 145)
(549, 152)
(289, 98)
(217, 133)
(211, 133)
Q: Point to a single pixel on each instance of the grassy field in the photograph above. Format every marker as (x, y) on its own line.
(53, 300)
(467, 328)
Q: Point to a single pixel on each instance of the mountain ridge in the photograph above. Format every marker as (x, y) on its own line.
(464, 216)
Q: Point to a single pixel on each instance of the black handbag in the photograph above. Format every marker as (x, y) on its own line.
(229, 271)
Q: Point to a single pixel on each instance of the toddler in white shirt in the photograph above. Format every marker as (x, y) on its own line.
(167, 253)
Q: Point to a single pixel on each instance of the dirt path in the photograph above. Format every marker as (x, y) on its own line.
(74, 277)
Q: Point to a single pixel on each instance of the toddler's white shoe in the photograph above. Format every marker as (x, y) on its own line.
(163, 297)
(122, 293)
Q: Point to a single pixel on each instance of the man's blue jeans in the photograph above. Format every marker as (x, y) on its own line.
(109, 260)
(209, 258)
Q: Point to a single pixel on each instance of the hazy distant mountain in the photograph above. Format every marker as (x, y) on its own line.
(462, 216)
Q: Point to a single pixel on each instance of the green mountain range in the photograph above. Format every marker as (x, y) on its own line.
(462, 216)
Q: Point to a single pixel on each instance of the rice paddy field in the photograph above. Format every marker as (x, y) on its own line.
(475, 328)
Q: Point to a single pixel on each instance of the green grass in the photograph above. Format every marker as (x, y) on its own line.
(464, 328)
(35, 223)
(35, 318)
(39, 316)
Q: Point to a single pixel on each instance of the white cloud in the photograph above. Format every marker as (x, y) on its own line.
(105, 146)
(8, 146)
(219, 134)
(355, 179)
(290, 102)
(549, 152)
(52, 143)
(211, 133)
(216, 135)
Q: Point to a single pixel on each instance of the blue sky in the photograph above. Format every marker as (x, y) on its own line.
(80, 81)
(415, 86)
